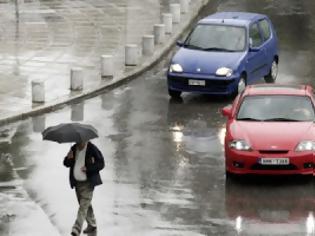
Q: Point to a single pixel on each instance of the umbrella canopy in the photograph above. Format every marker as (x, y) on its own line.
(69, 133)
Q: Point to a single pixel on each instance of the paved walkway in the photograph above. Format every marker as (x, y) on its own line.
(44, 40)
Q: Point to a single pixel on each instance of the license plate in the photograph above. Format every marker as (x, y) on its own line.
(197, 82)
(274, 161)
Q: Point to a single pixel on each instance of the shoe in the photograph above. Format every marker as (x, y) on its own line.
(89, 229)
(75, 232)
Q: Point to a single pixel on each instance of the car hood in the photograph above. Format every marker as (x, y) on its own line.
(272, 135)
(207, 61)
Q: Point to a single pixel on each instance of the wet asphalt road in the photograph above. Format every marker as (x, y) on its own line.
(164, 170)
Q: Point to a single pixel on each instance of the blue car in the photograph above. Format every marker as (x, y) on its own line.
(223, 53)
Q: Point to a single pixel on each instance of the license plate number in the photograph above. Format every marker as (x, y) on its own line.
(197, 82)
(274, 161)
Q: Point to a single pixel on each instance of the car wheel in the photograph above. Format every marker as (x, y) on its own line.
(308, 178)
(273, 73)
(240, 86)
(174, 94)
(230, 177)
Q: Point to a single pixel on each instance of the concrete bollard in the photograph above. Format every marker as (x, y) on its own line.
(148, 45)
(175, 11)
(38, 91)
(167, 20)
(184, 6)
(76, 78)
(107, 66)
(159, 33)
(131, 55)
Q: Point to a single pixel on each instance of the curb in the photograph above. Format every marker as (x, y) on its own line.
(157, 57)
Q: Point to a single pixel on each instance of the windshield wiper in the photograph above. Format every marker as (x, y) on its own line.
(192, 46)
(218, 49)
(281, 119)
(249, 119)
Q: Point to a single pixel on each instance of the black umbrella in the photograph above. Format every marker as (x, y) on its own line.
(69, 133)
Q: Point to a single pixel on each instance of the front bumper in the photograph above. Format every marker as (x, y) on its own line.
(244, 162)
(213, 84)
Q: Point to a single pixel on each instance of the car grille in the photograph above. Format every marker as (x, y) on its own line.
(215, 85)
(258, 166)
(273, 151)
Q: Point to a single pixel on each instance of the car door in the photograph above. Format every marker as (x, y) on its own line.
(269, 43)
(256, 58)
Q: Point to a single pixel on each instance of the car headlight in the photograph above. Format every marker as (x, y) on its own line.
(240, 145)
(223, 71)
(176, 68)
(305, 146)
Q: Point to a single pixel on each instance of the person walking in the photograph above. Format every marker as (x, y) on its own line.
(85, 161)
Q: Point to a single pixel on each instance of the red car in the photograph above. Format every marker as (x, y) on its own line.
(270, 130)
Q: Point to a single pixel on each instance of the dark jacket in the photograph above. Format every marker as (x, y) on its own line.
(94, 162)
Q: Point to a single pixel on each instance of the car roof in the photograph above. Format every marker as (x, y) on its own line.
(232, 18)
(277, 89)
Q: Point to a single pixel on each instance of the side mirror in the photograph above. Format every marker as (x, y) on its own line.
(250, 42)
(179, 43)
(227, 111)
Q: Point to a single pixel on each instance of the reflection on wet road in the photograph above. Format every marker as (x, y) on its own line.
(164, 170)
(281, 206)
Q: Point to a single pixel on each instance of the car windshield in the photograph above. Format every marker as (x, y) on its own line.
(217, 38)
(276, 108)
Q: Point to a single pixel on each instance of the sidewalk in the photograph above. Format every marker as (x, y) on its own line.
(19, 214)
(49, 38)
(45, 39)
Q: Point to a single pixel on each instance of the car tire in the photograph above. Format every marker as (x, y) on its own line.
(229, 176)
(174, 93)
(308, 178)
(240, 86)
(273, 73)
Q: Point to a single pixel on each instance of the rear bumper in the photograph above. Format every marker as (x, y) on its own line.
(242, 162)
(213, 84)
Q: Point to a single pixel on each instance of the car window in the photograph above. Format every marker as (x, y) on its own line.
(255, 36)
(276, 108)
(217, 38)
(265, 29)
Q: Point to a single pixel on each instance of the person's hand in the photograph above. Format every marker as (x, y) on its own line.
(83, 169)
(70, 155)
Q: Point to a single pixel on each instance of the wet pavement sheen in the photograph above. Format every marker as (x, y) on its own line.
(164, 171)
(45, 39)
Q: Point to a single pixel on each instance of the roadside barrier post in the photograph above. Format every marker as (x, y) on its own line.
(148, 45)
(167, 20)
(175, 11)
(159, 33)
(38, 91)
(76, 76)
(107, 66)
(131, 55)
